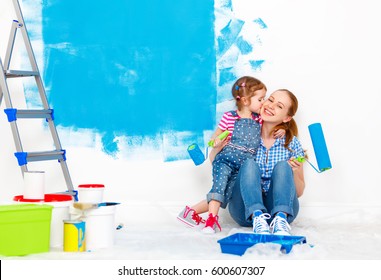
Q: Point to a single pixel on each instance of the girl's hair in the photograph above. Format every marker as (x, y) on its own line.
(246, 87)
(290, 127)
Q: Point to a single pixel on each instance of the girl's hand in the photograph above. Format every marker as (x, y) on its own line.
(217, 147)
(295, 165)
(279, 133)
(219, 144)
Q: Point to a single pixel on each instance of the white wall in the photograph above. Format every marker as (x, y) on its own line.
(326, 52)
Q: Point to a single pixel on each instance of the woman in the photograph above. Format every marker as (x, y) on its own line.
(268, 187)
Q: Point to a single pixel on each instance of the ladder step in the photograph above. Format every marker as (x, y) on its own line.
(20, 73)
(14, 114)
(24, 157)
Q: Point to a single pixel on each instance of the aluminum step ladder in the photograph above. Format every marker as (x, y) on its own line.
(14, 114)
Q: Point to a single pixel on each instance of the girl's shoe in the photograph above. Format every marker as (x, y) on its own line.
(189, 217)
(211, 224)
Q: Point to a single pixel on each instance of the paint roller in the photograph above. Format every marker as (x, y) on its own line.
(318, 143)
(197, 155)
(320, 148)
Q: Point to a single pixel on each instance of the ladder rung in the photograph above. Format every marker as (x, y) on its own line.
(24, 157)
(20, 73)
(14, 114)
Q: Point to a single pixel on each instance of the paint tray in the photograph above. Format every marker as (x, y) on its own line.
(237, 243)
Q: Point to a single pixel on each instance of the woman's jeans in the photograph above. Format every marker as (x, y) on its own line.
(248, 196)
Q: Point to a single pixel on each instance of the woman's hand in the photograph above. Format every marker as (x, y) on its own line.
(295, 165)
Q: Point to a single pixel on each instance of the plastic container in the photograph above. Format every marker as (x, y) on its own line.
(237, 244)
(100, 226)
(92, 193)
(61, 211)
(24, 229)
(34, 184)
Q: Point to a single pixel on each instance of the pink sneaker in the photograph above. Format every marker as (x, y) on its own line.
(189, 217)
(211, 223)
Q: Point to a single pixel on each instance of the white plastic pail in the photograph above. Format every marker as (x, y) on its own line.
(100, 226)
(91, 193)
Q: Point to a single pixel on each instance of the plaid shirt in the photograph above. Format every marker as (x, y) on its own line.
(267, 159)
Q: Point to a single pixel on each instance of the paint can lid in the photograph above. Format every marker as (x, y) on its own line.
(91, 186)
(47, 198)
(73, 221)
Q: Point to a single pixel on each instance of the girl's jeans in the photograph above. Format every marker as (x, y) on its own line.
(248, 196)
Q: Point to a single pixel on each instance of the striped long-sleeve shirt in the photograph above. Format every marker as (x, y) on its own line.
(227, 121)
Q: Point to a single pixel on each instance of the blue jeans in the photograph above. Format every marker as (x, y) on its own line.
(248, 196)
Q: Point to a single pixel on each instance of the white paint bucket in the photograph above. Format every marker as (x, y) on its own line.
(61, 204)
(91, 193)
(100, 226)
(34, 184)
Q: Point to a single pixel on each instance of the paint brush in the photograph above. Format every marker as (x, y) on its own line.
(86, 205)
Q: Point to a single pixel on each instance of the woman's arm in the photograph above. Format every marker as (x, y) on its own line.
(297, 168)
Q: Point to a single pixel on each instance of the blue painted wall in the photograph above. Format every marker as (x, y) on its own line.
(141, 69)
(131, 67)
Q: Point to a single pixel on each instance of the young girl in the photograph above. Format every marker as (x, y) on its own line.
(242, 143)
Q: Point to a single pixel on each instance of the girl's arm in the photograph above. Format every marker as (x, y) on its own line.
(213, 154)
(218, 146)
(279, 133)
(216, 133)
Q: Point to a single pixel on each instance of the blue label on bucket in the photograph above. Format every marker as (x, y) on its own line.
(74, 236)
(81, 233)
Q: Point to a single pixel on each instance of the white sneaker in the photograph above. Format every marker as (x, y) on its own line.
(260, 225)
(279, 225)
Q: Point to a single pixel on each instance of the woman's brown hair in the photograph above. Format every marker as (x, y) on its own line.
(290, 127)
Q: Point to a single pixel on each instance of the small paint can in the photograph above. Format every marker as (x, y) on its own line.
(74, 236)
